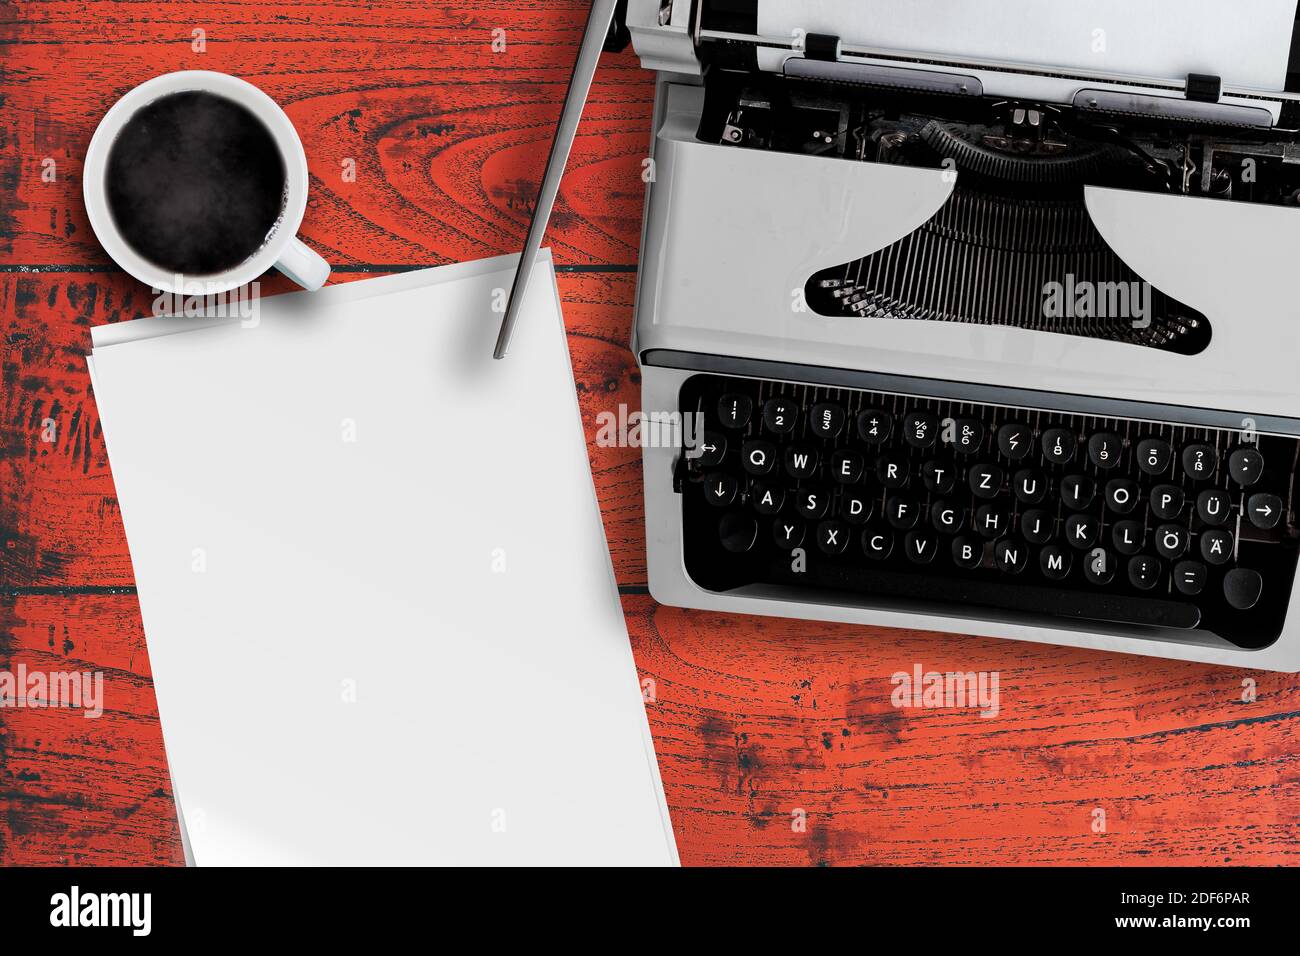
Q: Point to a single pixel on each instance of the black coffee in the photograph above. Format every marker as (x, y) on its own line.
(195, 182)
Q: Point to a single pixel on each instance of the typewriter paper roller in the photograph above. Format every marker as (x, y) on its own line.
(1246, 44)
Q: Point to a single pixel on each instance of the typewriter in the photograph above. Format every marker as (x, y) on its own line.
(977, 318)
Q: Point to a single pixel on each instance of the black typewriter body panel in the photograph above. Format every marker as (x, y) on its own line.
(947, 507)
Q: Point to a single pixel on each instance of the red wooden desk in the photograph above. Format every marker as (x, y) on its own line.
(753, 719)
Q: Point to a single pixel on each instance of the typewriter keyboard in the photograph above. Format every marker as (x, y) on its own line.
(933, 504)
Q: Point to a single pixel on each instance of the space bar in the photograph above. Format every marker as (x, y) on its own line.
(1033, 599)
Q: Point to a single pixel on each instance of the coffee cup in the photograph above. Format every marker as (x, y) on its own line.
(198, 179)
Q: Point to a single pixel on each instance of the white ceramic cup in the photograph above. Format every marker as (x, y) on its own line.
(282, 249)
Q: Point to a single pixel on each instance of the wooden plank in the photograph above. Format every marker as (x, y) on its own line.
(447, 138)
(77, 790)
(59, 520)
(756, 718)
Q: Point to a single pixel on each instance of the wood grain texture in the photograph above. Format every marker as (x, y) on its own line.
(754, 719)
(448, 139)
(75, 790)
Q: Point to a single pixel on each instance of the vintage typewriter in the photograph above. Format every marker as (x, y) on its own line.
(977, 317)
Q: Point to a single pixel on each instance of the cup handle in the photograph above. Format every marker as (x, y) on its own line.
(303, 266)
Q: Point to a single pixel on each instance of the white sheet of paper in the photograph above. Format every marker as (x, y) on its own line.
(1247, 44)
(380, 612)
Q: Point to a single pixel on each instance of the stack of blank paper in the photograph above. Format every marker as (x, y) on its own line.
(380, 613)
